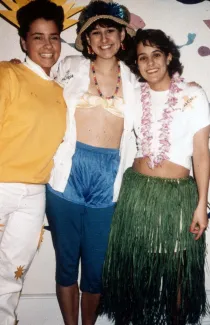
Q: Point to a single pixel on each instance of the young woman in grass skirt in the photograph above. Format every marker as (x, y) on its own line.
(154, 268)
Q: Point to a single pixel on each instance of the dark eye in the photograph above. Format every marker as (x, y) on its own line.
(37, 37)
(142, 58)
(111, 30)
(157, 55)
(55, 38)
(95, 32)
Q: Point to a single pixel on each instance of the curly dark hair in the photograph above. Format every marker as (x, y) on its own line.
(127, 55)
(157, 38)
(37, 9)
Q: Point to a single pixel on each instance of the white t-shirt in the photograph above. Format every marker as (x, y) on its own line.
(190, 114)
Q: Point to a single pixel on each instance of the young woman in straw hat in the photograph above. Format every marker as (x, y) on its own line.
(98, 146)
(154, 268)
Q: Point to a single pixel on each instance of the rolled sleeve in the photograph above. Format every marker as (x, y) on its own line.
(200, 112)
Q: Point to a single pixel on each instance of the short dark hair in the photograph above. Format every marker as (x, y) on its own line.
(157, 38)
(38, 9)
(126, 55)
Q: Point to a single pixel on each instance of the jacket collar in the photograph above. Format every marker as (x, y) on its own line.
(36, 68)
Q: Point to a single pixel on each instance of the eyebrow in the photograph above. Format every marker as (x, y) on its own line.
(152, 52)
(107, 27)
(37, 33)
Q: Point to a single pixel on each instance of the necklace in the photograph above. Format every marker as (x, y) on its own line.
(156, 159)
(97, 85)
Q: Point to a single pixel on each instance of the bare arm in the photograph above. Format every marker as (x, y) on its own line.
(201, 162)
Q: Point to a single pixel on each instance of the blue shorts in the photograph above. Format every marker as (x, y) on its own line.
(80, 217)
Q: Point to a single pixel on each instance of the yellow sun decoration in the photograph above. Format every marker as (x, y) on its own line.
(68, 7)
(19, 273)
(41, 238)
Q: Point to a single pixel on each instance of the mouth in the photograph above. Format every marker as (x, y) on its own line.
(105, 47)
(46, 55)
(151, 71)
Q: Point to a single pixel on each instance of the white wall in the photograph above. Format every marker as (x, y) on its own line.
(38, 304)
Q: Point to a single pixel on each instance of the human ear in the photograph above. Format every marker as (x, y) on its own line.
(23, 44)
(122, 35)
(88, 39)
(169, 58)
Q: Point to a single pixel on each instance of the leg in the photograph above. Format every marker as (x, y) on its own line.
(97, 223)
(18, 244)
(89, 304)
(179, 314)
(7, 302)
(65, 224)
(68, 299)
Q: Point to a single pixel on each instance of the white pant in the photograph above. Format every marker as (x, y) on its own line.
(22, 209)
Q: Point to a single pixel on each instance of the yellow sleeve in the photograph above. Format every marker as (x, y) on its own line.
(5, 87)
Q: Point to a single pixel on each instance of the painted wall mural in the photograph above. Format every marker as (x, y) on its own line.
(205, 50)
(13, 6)
(70, 10)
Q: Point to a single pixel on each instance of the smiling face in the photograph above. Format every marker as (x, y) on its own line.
(42, 43)
(153, 66)
(105, 41)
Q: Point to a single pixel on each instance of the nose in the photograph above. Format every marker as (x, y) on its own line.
(103, 37)
(150, 61)
(47, 42)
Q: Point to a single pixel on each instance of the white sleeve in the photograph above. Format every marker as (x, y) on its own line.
(200, 111)
(64, 68)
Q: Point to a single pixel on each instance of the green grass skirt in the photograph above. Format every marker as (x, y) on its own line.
(153, 263)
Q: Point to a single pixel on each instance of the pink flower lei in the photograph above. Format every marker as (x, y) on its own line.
(146, 122)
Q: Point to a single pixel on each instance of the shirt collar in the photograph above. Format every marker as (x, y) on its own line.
(36, 68)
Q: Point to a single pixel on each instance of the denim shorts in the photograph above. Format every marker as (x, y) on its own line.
(80, 217)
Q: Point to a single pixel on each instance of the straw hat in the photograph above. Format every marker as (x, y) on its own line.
(102, 9)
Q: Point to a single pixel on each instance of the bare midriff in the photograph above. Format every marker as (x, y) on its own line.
(166, 170)
(98, 127)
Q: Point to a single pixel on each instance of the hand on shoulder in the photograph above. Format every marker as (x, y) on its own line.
(194, 84)
(15, 61)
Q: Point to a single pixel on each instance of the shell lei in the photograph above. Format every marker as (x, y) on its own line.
(166, 119)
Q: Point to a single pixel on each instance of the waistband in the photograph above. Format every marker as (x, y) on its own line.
(84, 146)
(23, 187)
(160, 179)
